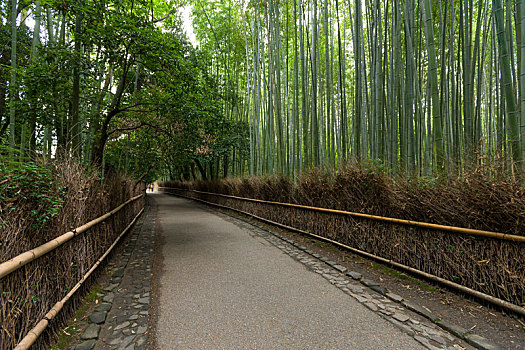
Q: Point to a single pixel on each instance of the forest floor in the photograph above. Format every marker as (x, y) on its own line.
(499, 327)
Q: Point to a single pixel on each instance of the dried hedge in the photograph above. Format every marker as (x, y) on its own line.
(476, 200)
(27, 294)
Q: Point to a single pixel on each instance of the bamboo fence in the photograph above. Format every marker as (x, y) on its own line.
(10, 266)
(338, 239)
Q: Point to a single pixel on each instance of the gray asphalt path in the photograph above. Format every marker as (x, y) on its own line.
(223, 287)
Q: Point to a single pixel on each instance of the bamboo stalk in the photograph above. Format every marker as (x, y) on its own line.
(17, 262)
(461, 230)
(34, 333)
(482, 296)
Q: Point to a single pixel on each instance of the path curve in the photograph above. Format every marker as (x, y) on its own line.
(224, 287)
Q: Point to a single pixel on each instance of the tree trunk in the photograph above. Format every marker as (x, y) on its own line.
(75, 98)
(12, 83)
(506, 82)
(202, 170)
(437, 124)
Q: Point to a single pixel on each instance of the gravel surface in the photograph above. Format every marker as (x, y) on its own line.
(225, 287)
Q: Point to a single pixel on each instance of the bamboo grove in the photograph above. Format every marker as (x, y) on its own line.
(419, 86)
(113, 84)
(271, 86)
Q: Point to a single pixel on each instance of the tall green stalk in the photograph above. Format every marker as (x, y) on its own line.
(437, 124)
(507, 83)
(13, 91)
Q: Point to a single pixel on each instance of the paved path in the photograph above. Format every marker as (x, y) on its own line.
(225, 287)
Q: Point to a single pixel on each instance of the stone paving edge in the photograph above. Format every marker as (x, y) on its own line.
(477, 341)
(88, 339)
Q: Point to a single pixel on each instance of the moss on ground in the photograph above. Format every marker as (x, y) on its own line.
(319, 243)
(392, 272)
(69, 335)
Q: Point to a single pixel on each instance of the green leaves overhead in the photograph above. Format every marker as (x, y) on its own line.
(115, 83)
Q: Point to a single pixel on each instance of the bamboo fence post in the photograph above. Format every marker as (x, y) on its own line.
(20, 260)
(34, 333)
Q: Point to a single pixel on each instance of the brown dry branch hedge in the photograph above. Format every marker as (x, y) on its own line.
(27, 294)
(476, 200)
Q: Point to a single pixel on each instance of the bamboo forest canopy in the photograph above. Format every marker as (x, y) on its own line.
(269, 86)
(111, 83)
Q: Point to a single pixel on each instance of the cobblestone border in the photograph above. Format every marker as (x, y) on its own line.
(399, 311)
(120, 321)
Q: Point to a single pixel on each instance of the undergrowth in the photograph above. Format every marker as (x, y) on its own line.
(482, 198)
(30, 186)
(400, 275)
(39, 201)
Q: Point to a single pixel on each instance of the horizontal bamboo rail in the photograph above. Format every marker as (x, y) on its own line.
(20, 260)
(437, 227)
(34, 333)
(481, 296)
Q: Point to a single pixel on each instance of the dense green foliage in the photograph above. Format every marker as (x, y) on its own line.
(420, 86)
(270, 86)
(32, 187)
(115, 84)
